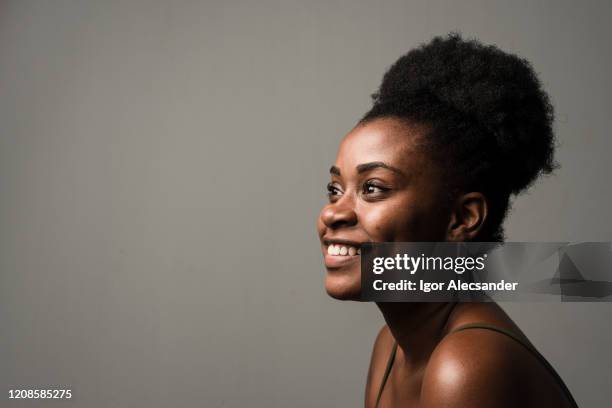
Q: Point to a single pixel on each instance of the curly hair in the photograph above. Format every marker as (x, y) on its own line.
(490, 120)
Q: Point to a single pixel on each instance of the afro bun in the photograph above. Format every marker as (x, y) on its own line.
(490, 119)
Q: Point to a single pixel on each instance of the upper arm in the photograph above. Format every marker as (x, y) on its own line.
(466, 372)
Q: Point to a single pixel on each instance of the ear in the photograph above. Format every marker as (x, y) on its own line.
(467, 217)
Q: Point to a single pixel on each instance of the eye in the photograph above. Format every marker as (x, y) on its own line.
(333, 190)
(371, 187)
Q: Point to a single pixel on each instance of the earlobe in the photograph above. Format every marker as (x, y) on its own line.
(468, 216)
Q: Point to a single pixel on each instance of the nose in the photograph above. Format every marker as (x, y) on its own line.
(339, 214)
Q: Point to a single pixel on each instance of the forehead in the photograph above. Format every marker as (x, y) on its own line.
(387, 140)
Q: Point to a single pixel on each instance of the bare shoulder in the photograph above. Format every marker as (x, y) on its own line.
(378, 362)
(476, 368)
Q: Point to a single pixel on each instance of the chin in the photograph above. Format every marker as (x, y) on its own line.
(343, 286)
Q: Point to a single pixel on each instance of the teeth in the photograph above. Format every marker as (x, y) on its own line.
(342, 250)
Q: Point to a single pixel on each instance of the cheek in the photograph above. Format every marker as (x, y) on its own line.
(402, 220)
(389, 221)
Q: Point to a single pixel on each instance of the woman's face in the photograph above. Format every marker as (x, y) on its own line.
(383, 188)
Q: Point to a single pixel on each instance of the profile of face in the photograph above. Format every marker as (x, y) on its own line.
(384, 188)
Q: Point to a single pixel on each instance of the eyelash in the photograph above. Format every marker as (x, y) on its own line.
(334, 191)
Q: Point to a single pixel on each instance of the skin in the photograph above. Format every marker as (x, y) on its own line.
(385, 188)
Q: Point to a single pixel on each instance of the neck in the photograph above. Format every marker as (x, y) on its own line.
(417, 327)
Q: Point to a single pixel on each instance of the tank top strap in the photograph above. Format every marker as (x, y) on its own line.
(488, 326)
(387, 372)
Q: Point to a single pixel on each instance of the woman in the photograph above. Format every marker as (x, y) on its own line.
(455, 129)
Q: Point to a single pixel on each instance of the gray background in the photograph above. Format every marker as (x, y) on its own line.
(162, 165)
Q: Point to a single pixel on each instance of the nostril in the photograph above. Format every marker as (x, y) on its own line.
(338, 224)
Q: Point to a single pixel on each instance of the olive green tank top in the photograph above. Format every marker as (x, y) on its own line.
(486, 326)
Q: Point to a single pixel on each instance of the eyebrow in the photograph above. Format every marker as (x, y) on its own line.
(362, 168)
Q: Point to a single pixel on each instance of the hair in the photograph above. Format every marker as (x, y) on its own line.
(490, 120)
